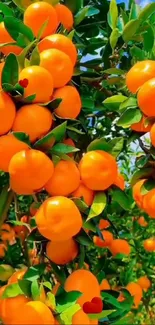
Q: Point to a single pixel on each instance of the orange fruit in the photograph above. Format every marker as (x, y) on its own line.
(6, 38)
(152, 135)
(135, 291)
(35, 120)
(7, 232)
(144, 282)
(18, 275)
(106, 241)
(2, 289)
(40, 83)
(34, 312)
(120, 182)
(9, 146)
(59, 42)
(70, 105)
(7, 112)
(149, 244)
(65, 179)
(29, 171)
(140, 126)
(136, 192)
(65, 16)
(3, 249)
(80, 318)
(104, 285)
(103, 224)
(39, 13)
(62, 252)
(145, 98)
(58, 219)
(85, 282)
(140, 73)
(59, 66)
(142, 222)
(1, 70)
(11, 307)
(148, 203)
(34, 208)
(85, 193)
(98, 170)
(120, 246)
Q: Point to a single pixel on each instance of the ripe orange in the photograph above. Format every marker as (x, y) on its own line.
(120, 246)
(80, 318)
(104, 285)
(6, 38)
(98, 170)
(142, 222)
(65, 16)
(140, 126)
(85, 282)
(136, 192)
(18, 275)
(144, 282)
(62, 252)
(106, 242)
(148, 203)
(34, 312)
(58, 64)
(70, 105)
(9, 145)
(29, 171)
(34, 208)
(140, 73)
(39, 13)
(149, 244)
(145, 98)
(152, 134)
(40, 83)
(85, 193)
(1, 70)
(7, 112)
(103, 224)
(120, 182)
(35, 120)
(7, 232)
(65, 179)
(135, 291)
(3, 249)
(11, 306)
(58, 219)
(59, 42)
(2, 289)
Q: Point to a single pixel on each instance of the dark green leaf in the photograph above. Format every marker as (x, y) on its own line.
(111, 300)
(6, 10)
(63, 148)
(140, 174)
(121, 198)
(6, 197)
(82, 206)
(29, 99)
(54, 103)
(25, 286)
(147, 186)
(48, 141)
(10, 71)
(138, 53)
(15, 27)
(114, 37)
(35, 57)
(116, 145)
(98, 205)
(34, 272)
(99, 144)
(42, 29)
(66, 300)
(59, 273)
(84, 239)
(134, 11)
(148, 38)
(115, 71)
(92, 11)
(22, 137)
(130, 116)
(130, 29)
(80, 16)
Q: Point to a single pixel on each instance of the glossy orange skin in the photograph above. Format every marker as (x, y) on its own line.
(37, 14)
(103, 224)
(1, 70)
(120, 182)
(135, 291)
(6, 38)
(144, 282)
(140, 126)
(104, 285)
(80, 318)
(59, 65)
(152, 134)
(106, 242)
(120, 246)
(2, 289)
(65, 16)
(140, 73)
(18, 275)
(145, 98)
(40, 83)
(7, 113)
(85, 282)
(136, 192)
(149, 244)
(98, 170)
(23, 168)
(62, 252)
(148, 203)
(11, 307)
(70, 105)
(55, 219)
(59, 42)
(9, 146)
(34, 120)
(85, 193)
(65, 179)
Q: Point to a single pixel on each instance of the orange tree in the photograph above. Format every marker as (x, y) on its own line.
(77, 170)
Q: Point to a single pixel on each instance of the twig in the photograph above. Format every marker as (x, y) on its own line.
(143, 147)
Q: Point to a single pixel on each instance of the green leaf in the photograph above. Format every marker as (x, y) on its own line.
(59, 273)
(35, 290)
(115, 71)
(92, 11)
(101, 315)
(116, 145)
(134, 11)
(84, 239)
(16, 28)
(121, 198)
(113, 13)
(138, 53)
(110, 299)
(147, 12)
(113, 102)
(51, 300)
(72, 128)
(82, 206)
(25, 286)
(140, 174)
(80, 16)
(10, 71)
(35, 57)
(54, 103)
(114, 37)
(147, 186)
(29, 99)
(148, 38)
(124, 16)
(22, 137)
(128, 103)
(130, 116)
(99, 144)
(19, 223)
(48, 141)
(130, 29)
(24, 53)
(34, 272)
(20, 4)
(12, 290)
(48, 285)
(6, 197)
(66, 316)
(5, 272)
(66, 300)
(42, 29)
(98, 205)
(63, 148)
(6, 10)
